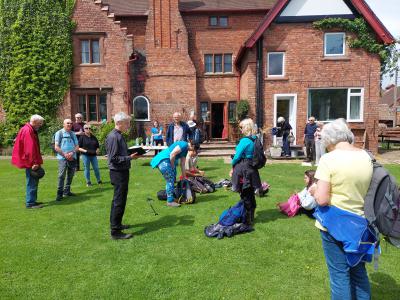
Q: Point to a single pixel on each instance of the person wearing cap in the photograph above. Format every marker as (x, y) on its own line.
(66, 146)
(344, 175)
(26, 155)
(77, 127)
(177, 130)
(89, 147)
(309, 140)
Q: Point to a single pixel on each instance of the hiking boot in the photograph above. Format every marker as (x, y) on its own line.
(34, 206)
(121, 236)
(88, 184)
(69, 194)
(173, 204)
(123, 227)
(59, 198)
(99, 182)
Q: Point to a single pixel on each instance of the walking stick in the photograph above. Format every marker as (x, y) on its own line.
(149, 201)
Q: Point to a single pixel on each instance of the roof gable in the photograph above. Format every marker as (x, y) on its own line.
(296, 8)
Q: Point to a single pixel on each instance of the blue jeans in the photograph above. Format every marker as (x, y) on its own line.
(346, 282)
(286, 144)
(169, 174)
(65, 167)
(31, 188)
(87, 160)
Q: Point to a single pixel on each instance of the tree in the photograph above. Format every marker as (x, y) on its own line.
(35, 57)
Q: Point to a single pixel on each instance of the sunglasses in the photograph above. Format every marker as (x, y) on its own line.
(86, 128)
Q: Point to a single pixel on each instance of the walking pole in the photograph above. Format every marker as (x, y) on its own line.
(149, 201)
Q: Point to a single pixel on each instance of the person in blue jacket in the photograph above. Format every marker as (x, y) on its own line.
(166, 161)
(245, 178)
(177, 130)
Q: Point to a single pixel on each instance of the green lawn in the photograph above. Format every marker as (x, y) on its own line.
(64, 251)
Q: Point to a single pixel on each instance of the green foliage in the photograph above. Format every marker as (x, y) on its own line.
(35, 57)
(365, 39)
(242, 109)
(8, 132)
(46, 133)
(101, 133)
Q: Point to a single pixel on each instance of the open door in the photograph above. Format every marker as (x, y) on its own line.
(285, 105)
(217, 120)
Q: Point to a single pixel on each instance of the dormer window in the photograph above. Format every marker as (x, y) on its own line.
(334, 44)
(218, 21)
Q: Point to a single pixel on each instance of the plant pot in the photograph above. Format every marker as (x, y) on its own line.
(275, 151)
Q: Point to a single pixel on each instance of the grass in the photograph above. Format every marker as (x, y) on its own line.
(64, 251)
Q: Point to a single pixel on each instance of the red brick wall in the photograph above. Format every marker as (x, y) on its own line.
(307, 68)
(115, 50)
(137, 27)
(204, 39)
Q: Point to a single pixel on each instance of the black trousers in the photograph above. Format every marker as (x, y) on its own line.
(249, 199)
(120, 181)
(310, 148)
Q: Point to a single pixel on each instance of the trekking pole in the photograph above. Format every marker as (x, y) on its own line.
(149, 201)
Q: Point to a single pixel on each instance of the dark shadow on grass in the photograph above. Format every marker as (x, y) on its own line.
(144, 163)
(201, 198)
(209, 168)
(384, 286)
(86, 195)
(268, 215)
(164, 222)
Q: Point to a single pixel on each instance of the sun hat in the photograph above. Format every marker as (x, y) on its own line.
(191, 124)
(38, 173)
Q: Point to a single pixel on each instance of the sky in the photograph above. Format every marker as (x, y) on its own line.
(388, 12)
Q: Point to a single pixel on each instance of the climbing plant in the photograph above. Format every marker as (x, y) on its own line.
(35, 57)
(365, 38)
(242, 109)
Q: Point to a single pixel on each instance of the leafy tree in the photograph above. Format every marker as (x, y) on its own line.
(35, 57)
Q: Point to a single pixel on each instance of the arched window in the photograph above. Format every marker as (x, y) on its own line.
(141, 108)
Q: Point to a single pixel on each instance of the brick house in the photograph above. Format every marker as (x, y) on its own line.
(154, 57)
(387, 109)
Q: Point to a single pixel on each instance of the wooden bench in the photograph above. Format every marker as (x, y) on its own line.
(390, 136)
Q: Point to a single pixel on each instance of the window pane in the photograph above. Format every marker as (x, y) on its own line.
(140, 108)
(355, 91)
(334, 44)
(82, 106)
(208, 63)
(203, 110)
(92, 108)
(328, 105)
(228, 63)
(355, 107)
(232, 111)
(218, 63)
(95, 52)
(275, 64)
(85, 52)
(213, 21)
(103, 107)
(223, 21)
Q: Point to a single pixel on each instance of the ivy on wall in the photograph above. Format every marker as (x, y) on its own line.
(35, 57)
(365, 39)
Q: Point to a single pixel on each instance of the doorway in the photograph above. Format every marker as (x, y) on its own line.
(217, 120)
(285, 105)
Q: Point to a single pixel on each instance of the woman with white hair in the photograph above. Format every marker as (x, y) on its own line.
(245, 178)
(344, 175)
(284, 130)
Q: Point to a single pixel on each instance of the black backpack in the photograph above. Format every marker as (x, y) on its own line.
(259, 158)
(382, 204)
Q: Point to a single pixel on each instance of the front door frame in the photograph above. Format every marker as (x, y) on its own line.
(292, 111)
(224, 118)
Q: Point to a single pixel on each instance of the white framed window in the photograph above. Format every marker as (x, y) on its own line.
(334, 44)
(276, 64)
(141, 108)
(333, 103)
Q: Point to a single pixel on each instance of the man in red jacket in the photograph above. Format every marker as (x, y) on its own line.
(26, 155)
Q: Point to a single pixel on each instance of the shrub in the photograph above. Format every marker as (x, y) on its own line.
(242, 109)
(46, 134)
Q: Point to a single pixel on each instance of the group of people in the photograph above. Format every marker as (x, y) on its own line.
(312, 138)
(342, 179)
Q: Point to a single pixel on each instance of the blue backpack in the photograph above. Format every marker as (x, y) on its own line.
(233, 215)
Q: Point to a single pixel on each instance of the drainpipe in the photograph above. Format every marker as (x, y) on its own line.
(259, 83)
(128, 83)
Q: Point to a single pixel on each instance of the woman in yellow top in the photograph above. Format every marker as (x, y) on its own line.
(344, 175)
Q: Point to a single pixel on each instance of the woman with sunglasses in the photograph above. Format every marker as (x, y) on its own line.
(89, 147)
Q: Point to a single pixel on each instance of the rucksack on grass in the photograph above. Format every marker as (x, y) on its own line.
(184, 192)
(382, 204)
(259, 158)
(234, 214)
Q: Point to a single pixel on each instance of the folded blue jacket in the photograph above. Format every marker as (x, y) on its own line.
(359, 240)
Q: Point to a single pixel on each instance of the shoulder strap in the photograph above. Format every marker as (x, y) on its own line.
(251, 138)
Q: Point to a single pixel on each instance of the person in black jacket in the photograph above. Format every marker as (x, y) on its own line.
(119, 163)
(177, 130)
(284, 130)
(89, 147)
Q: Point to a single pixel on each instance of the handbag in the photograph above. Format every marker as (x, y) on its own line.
(291, 138)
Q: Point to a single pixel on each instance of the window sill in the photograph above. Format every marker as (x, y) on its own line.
(277, 78)
(91, 65)
(218, 27)
(340, 58)
(219, 75)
